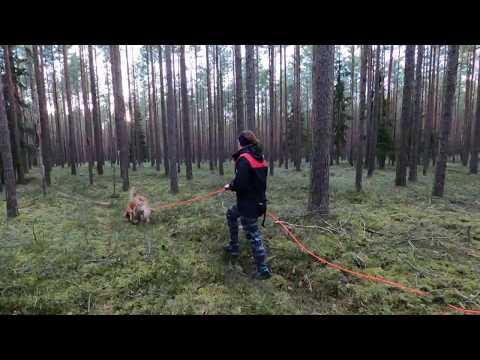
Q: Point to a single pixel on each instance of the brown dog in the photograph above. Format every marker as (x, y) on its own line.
(138, 209)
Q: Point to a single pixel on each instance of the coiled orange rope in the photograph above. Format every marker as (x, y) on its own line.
(381, 279)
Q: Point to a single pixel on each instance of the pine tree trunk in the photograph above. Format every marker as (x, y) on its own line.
(250, 86)
(151, 137)
(185, 114)
(361, 118)
(156, 126)
(131, 130)
(172, 123)
(120, 121)
(322, 107)
(296, 110)
(352, 99)
(374, 117)
(36, 123)
(467, 113)
(281, 141)
(427, 134)
(475, 148)
(417, 116)
(68, 94)
(210, 112)
(199, 122)
(449, 86)
(395, 107)
(87, 116)
(369, 103)
(390, 65)
(137, 123)
(7, 161)
(20, 119)
(97, 128)
(285, 104)
(272, 107)
(220, 123)
(97, 93)
(239, 89)
(438, 106)
(402, 153)
(166, 161)
(177, 111)
(12, 115)
(60, 152)
(113, 142)
(42, 102)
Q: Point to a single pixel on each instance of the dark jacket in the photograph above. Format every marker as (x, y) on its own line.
(250, 183)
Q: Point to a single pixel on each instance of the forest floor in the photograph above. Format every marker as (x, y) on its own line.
(71, 252)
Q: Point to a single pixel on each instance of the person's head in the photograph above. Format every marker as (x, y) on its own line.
(247, 137)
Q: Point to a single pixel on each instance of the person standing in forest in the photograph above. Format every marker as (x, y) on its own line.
(250, 185)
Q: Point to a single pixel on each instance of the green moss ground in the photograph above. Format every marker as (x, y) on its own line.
(85, 259)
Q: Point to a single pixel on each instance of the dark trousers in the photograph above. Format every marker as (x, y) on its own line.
(253, 234)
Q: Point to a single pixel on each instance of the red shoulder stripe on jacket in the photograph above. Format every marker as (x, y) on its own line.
(254, 163)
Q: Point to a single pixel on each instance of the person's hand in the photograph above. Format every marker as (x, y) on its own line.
(227, 187)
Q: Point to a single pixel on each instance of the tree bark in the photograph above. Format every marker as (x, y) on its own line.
(42, 102)
(210, 112)
(250, 86)
(87, 116)
(97, 127)
(361, 118)
(220, 123)
(322, 107)
(467, 112)
(402, 153)
(120, 121)
(36, 122)
(281, 142)
(427, 134)
(12, 115)
(375, 116)
(156, 126)
(71, 129)
(172, 123)
(271, 95)
(131, 130)
(296, 110)
(185, 114)
(285, 104)
(59, 138)
(7, 161)
(417, 116)
(475, 148)
(151, 137)
(239, 90)
(352, 99)
(199, 122)
(449, 85)
(113, 142)
(166, 161)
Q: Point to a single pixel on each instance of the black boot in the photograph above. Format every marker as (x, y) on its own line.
(263, 272)
(233, 251)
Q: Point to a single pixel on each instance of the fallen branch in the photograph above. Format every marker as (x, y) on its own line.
(374, 232)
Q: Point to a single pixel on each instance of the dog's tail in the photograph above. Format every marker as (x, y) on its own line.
(132, 193)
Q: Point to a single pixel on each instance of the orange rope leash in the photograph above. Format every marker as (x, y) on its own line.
(381, 279)
(189, 201)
